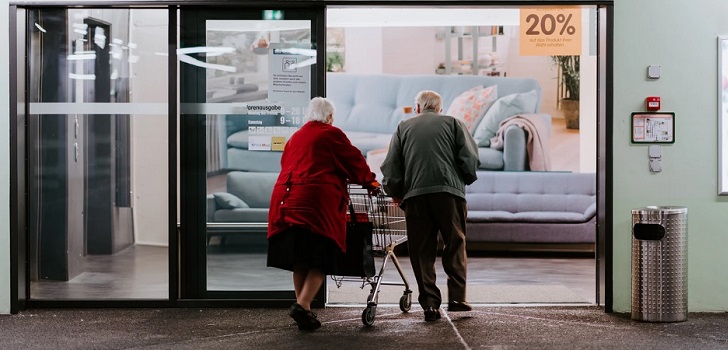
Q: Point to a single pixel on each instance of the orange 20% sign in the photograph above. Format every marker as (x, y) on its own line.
(550, 31)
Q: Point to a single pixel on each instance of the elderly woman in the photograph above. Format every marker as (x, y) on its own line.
(307, 218)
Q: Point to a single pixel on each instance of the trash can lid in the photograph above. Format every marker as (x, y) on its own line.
(665, 209)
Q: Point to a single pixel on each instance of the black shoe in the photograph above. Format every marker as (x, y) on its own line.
(455, 306)
(305, 319)
(432, 314)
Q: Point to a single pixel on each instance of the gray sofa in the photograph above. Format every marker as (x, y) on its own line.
(532, 208)
(246, 200)
(537, 208)
(369, 107)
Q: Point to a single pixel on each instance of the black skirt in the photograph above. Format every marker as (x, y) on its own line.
(299, 246)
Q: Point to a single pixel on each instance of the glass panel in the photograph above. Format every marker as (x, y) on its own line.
(98, 153)
(258, 79)
(373, 78)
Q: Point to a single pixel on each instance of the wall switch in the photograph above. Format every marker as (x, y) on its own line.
(654, 153)
(653, 72)
(655, 165)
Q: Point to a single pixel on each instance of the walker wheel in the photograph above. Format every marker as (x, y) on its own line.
(367, 317)
(405, 302)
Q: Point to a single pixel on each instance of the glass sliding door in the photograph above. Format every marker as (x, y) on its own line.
(245, 79)
(98, 154)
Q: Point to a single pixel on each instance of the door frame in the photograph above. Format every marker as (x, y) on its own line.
(179, 291)
(193, 269)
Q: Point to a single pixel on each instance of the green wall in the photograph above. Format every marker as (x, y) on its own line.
(681, 37)
(4, 165)
(682, 41)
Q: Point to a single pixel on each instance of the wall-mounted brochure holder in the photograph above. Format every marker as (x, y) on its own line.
(653, 127)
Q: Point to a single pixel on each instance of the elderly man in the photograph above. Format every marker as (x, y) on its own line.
(430, 160)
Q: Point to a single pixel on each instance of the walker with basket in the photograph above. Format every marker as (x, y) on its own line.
(389, 230)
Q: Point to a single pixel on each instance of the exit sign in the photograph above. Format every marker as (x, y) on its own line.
(272, 14)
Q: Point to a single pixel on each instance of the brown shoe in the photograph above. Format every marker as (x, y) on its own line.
(456, 306)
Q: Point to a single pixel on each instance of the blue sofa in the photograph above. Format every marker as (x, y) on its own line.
(246, 199)
(369, 107)
(532, 208)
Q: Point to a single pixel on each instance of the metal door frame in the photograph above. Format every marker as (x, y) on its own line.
(20, 292)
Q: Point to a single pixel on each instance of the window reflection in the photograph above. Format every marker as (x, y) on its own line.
(98, 154)
(266, 67)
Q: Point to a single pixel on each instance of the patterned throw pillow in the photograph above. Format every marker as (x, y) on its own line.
(471, 105)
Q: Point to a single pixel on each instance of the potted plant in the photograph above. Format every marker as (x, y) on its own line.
(334, 62)
(568, 67)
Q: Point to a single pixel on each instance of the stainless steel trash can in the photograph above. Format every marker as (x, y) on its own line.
(660, 264)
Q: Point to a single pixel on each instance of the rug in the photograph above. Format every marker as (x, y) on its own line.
(351, 293)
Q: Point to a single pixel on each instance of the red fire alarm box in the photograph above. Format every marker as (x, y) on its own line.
(653, 103)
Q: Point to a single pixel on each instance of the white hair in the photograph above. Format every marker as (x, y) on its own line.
(320, 109)
(428, 99)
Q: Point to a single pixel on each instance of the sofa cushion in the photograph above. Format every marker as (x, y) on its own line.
(226, 200)
(471, 105)
(522, 192)
(490, 158)
(531, 216)
(249, 215)
(254, 189)
(238, 139)
(519, 202)
(501, 109)
(368, 141)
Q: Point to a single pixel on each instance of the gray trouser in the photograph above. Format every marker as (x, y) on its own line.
(427, 215)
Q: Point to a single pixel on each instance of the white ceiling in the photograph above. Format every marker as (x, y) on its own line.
(420, 17)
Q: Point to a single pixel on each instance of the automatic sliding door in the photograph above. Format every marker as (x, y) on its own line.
(98, 154)
(246, 79)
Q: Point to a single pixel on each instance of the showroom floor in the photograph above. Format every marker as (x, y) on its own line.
(141, 272)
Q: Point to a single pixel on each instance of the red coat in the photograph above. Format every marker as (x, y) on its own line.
(310, 191)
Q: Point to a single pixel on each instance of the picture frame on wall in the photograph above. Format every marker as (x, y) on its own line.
(723, 115)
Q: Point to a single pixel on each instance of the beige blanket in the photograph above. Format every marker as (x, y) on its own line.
(537, 139)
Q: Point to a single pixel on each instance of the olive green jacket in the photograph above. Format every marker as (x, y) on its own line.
(430, 153)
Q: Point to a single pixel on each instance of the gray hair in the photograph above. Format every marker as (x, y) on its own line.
(428, 99)
(319, 109)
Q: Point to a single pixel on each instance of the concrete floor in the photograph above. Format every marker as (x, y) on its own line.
(484, 327)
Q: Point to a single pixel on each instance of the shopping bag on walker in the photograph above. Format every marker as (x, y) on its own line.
(358, 260)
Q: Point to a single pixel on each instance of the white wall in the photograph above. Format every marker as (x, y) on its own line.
(4, 165)
(588, 96)
(682, 38)
(149, 132)
(406, 50)
(363, 53)
(587, 114)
